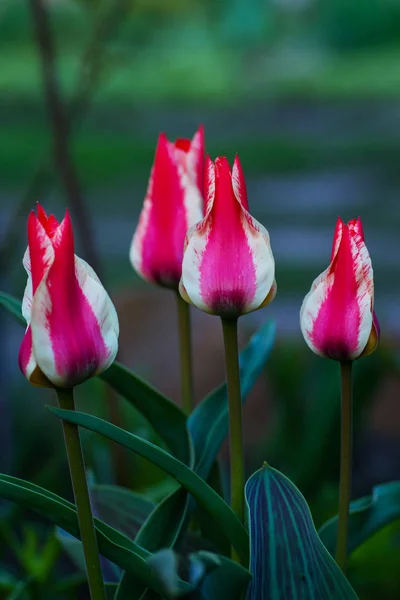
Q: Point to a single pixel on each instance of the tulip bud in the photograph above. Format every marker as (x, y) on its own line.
(173, 203)
(337, 316)
(228, 267)
(72, 331)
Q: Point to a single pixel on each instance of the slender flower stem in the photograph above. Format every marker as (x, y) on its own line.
(345, 464)
(82, 501)
(185, 349)
(229, 327)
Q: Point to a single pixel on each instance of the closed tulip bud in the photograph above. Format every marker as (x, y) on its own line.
(173, 203)
(228, 267)
(337, 316)
(72, 331)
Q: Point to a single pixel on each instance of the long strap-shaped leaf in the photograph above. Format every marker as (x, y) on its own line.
(367, 516)
(164, 416)
(112, 544)
(167, 419)
(224, 516)
(287, 558)
(13, 305)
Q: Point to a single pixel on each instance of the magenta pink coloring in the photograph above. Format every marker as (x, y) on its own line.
(68, 335)
(227, 271)
(337, 316)
(173, 203)
(228, 268)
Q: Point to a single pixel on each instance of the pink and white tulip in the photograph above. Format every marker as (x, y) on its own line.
(173, 203)
(73, 329)
(228, 268)
(337, 316)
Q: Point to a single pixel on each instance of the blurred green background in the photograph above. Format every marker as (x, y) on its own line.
(307, 92)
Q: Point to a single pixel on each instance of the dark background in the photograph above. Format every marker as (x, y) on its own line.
(307, 92)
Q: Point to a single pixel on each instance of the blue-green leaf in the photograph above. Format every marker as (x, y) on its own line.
(208, 423)
(210, 576)
(111, 590)
(121, 508)
(222, 513)
(367, 516)
(166, 418)
(13, 305)
(287, 558)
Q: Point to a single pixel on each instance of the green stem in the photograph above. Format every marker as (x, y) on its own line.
(82, 501)
(229, 327)
(345, 464)
(185, 350)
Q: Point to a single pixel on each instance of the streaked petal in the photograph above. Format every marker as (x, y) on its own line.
(337, 314)
(70, 315)
(239, 184)
(172, 204)
(228, 268)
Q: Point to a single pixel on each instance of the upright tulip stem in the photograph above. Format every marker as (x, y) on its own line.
(229, 327)
(345, 463)
(82, 501)
(185, 350)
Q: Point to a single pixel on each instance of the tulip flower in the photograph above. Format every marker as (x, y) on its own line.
(228, 268)
(72, 331)
(338, 321)
(337, 316)
(173, 203)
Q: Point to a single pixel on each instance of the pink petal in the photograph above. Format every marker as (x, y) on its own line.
(228, 267)
(173, 203)
(336, 316)
(67, 339)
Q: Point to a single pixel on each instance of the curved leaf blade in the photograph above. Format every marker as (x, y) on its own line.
(287, 559)
(222, 513)
(367, 516)
(166, 418)
(112, 544)
(121, 508)
(208, 424)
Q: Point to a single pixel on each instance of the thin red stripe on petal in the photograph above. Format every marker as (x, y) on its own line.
(40, 251)
(239, 184)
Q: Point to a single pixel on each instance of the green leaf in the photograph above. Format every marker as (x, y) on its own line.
(111, 590)
(121, 508)
(21, 591)
(166, 418)
(287, 558)
(112, 544)
(13, 306)
(7, 580)
(367, 516)
(224, 517)
(211, 577)
(228, 580)
(208, 531)
(208, 423)
(161, 530)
